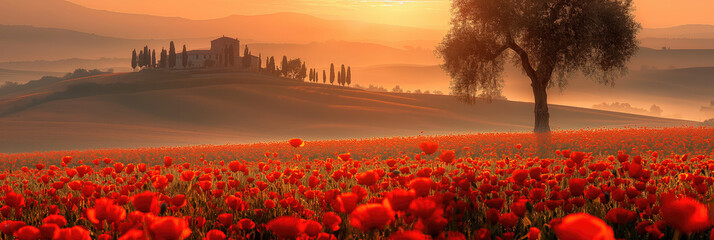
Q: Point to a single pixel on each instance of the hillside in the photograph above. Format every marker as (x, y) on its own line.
(154, 109)
(277, 28)
(23, 76)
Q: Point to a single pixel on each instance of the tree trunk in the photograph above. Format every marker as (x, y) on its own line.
(542, 117)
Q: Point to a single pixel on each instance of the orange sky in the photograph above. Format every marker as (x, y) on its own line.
(423, 13)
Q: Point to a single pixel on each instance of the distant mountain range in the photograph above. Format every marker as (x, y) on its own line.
(275, 28)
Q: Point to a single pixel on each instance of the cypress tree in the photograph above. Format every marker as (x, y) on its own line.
(141, 59)
(342, 77)
(348, 78)
(284, 66)
(324, 76)
(153, 58)
(172, 55)
(184, 57)
(164, 58)
(332, 73)
(133, 60)
(147, 56)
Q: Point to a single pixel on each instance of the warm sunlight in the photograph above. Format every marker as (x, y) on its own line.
(356, 119)
(420, 13)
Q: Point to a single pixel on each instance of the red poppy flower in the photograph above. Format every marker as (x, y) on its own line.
(332, 221)
(168, 161)
(447, 156)
(367, 217)
(347, 202)
(73, 233)
(246, 224)
(105, 209)
(48, 230)
(429, 147)
(582, 226)
(533, 233)
(686, 215)
(422, 186)
(423, 207)
(169, 228)
(9, 227)
(27, 233)
(226, 219)
(313, 228)
(296, 142)
(215, 235)
(408, 235)
(520, 176)
(508, 220)
(55, 219)
(399, 199)
(620, 216)
(344, 156)
(14, 200)
(367, 178)
(577, 186)
(178, 201)
(146, 202)
(287, 227)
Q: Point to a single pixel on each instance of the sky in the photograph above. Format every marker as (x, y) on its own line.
(419, 13)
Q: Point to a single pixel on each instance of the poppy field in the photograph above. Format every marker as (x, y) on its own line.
(630, 183)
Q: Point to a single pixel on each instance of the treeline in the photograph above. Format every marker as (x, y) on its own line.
(296, 69)
(146, 58)
(9, 87)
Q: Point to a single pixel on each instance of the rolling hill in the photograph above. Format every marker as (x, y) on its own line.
(158, 109)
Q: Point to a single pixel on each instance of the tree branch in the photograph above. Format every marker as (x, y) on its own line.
(524, 60)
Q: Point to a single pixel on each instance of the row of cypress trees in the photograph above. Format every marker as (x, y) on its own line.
(146, 58)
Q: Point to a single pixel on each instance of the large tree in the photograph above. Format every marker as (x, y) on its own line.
(548, 39)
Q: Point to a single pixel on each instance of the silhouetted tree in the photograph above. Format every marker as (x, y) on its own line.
(348, 78)
(550, 39)
(324, 76)
(332, 73)
(284, 66)
(339, 78)
(184, 57)
(303, 72)
(342, 76)
(153, 58)
(172, 55)
(147, 56)
(140, 61)
(260, 61)
(396, 89)
(271, 65)
(310, 78)
(133, 60)
(163, 58)
(247, 58)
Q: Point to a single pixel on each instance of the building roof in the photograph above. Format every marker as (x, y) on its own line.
(197, 52)
(225, 38)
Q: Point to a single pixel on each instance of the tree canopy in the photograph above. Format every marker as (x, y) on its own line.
(547, 39)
